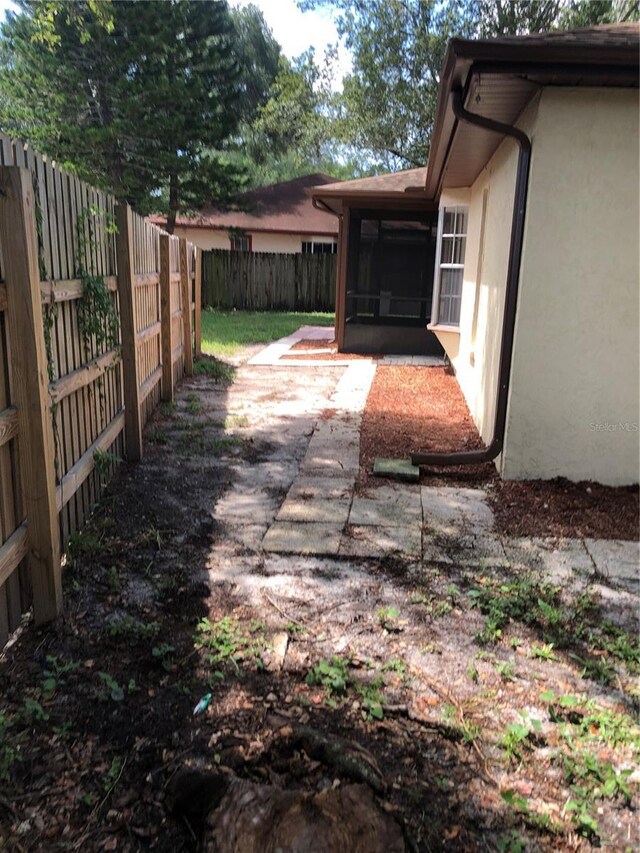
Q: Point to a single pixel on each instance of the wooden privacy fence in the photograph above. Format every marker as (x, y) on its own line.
(264, 281)
(99, 318)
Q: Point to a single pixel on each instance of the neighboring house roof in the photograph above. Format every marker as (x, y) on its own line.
(280, 208)
(498, 78)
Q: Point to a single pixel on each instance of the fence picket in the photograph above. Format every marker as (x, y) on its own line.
(268, 281)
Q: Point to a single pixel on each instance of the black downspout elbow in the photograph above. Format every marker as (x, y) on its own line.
(472, 457)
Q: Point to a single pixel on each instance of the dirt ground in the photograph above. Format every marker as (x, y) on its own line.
(499, 711)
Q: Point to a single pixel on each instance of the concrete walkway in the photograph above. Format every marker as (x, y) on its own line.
(322, 516)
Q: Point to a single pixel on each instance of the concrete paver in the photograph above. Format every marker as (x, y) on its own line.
(617, 560)
(290, 537)
(301, 500)
(402, 512)
(379, 541)
(333, 510)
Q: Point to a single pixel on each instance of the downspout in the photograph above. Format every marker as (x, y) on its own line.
(472, 457)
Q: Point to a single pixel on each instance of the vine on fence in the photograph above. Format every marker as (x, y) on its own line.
(97, 315)
(49, 317)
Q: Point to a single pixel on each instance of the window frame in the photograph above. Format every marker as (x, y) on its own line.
(322, 243)
(439, 266)
(234, 237)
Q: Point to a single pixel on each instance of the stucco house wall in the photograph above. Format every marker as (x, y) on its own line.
(261, 241)
(573, 408)
(573, 403)
(474, 349)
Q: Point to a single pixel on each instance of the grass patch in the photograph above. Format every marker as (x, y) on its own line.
(216, 370)
(226, 332)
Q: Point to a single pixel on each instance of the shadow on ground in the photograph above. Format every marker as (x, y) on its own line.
(478, 703)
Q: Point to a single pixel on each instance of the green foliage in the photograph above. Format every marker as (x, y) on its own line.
(103, 462)
(128, 626)
(115, 691)
(194, 406)
(229, 641)
(388, 618)
(219, 371)
(518, 736)
(55, 673)
(330, 674)
(142, 103)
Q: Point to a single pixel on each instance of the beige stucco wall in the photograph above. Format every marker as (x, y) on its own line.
(485, 273)
(260, 241)
(573, 404)
(575, 371)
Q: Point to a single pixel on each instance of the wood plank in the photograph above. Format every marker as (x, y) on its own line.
(29, 368)
(124, 246)
(13, 552)
(3, 297)
(146, 279)
(197, 308)
(67, 290)
(84, 375)
(148, 385)
(75, 476)
(165, 317)
(149, 332)
(8, 425)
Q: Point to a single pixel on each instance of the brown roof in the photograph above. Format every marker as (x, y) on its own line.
(394, 182)
(284, 208)
(498, 78)
(402, 189)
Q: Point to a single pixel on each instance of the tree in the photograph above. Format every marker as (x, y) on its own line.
(398, 47)
(143, 105)
(258, 55)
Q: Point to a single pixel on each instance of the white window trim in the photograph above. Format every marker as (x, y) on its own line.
(435, 300)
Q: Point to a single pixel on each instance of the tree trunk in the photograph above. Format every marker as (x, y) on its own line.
(173, 202)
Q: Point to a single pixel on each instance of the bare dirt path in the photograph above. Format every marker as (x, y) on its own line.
(491, 703)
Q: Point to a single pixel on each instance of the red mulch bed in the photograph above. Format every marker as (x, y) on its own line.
(562, 508)
(412, 409)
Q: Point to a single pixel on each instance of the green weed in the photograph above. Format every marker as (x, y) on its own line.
(219, 371)
(129, 626)
(228, 641)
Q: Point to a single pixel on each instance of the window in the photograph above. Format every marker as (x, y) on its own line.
(240, 242)
(312, 247)
(452, 238)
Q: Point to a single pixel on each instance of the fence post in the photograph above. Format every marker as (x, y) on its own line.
(165, 318)
(185, 285)
(30, 381)
(197, 319)
(126, 283)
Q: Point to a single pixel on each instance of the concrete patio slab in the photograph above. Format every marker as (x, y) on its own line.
(453, 511)
(404, 510)
(252, 506)
(312, 488)
(290, 537)
(617, 560)
(369, 541)
(561, 560)
(332, 510)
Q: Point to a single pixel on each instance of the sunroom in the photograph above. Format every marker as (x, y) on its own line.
(387, 256)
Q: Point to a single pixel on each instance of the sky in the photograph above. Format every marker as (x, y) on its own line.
(296, 31)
